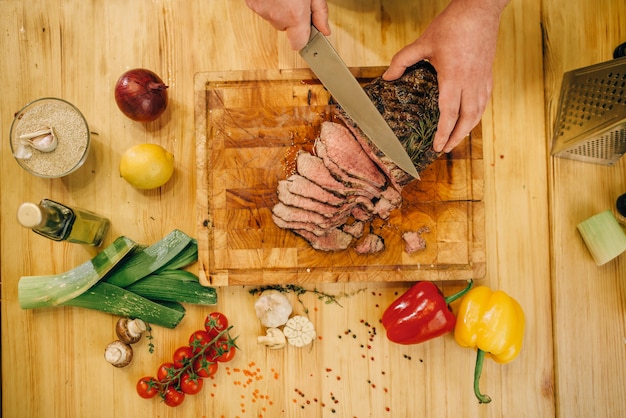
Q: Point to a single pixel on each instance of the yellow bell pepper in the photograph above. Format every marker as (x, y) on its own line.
(493, 323)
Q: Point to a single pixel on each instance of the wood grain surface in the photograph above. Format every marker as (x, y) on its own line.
(580, 191)
(250, 126)
(572, 360)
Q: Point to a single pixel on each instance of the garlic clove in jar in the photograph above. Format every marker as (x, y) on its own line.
(23, 150)
(44, 140)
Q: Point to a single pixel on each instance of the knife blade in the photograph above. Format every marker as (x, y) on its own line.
(337, 78)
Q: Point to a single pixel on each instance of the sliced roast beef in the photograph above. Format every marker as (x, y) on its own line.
(312, 167)
(343, 150)
(334, 240)
(355, 229)
(383, 208)
(349, 180)
(357, 185)
(313, 205)
(413, 242)
(302, 186)
(360, 214)
(297, 225)
(371, 244)
(294, 214)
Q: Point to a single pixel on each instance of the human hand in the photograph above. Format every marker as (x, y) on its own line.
(460, 43)
(294, 17)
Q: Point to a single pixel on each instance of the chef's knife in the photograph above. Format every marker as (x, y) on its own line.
(337, 78)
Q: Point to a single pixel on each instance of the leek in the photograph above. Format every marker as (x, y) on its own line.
(53, 290)
(115, 300)
(175, 286)
(150, 259)
(187, 256)
(127, 279)
(603, 236)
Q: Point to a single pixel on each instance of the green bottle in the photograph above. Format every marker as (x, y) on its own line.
(63, 223)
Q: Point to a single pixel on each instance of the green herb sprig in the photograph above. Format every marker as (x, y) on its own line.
(299, 291)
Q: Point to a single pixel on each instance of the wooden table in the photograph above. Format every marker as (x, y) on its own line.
(573, 360)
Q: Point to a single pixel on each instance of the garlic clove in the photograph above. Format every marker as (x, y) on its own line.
(274, 338)
(23, 151)
(35, 134)
(46, 143)
(44, 140)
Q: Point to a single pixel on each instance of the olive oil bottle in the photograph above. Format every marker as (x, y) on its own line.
(62, 223)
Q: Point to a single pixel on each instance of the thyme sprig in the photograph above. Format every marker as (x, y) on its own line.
(328, 298)
(149, 337)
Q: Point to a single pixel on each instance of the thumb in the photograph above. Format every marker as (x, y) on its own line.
(403, 59)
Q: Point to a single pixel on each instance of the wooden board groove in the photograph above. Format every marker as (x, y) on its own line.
(249, 125)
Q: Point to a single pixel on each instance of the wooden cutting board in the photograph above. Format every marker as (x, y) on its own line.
(250, 125)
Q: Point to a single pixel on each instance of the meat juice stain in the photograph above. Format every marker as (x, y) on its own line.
(302, 139)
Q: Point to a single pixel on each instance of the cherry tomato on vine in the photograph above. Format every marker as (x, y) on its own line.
(198, 340)
(204, 368)
(173, 397)
(182, 356)
(190, 384)
(223, 351)
(147, 387)
(215, 323)
(165, 371)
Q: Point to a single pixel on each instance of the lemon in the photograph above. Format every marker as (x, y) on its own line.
(147, 166)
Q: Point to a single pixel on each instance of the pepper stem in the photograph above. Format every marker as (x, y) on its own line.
(480, 358)
(454, 297)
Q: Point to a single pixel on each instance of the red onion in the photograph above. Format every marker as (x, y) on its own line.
(141, 95)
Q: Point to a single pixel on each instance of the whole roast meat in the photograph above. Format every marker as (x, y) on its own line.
(347, 180)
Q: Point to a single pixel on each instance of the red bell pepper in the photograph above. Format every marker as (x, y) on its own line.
(420, 314)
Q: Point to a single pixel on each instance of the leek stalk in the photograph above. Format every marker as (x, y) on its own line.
(150, 259)
(53, 290)
(127, 279)
(603, 236)
(115, 300)
(176, 286)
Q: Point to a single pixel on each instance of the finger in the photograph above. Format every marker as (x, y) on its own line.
(403, 59)
(298, 35)
(449, 108)
(461, 131)
(319, 16)
(470, 113)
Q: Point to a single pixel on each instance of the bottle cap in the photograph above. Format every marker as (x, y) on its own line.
(621, 204)
(29, 215)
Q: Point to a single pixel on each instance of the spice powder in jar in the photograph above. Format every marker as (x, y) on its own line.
(69, 126)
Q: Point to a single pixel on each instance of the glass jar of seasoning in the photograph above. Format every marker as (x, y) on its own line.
(620, 206)
(62, 223)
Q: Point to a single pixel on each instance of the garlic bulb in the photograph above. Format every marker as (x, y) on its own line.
(299, 331)
(273, 308)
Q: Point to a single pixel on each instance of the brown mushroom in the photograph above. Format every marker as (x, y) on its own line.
(129, 331)
(118, 353)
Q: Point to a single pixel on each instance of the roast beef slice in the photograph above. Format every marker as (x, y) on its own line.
(334, 240)
(348, 154)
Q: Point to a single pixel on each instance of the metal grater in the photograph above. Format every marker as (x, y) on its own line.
(591, 120)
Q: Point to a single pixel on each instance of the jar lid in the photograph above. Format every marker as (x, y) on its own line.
(29, 215)
(621, 204)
